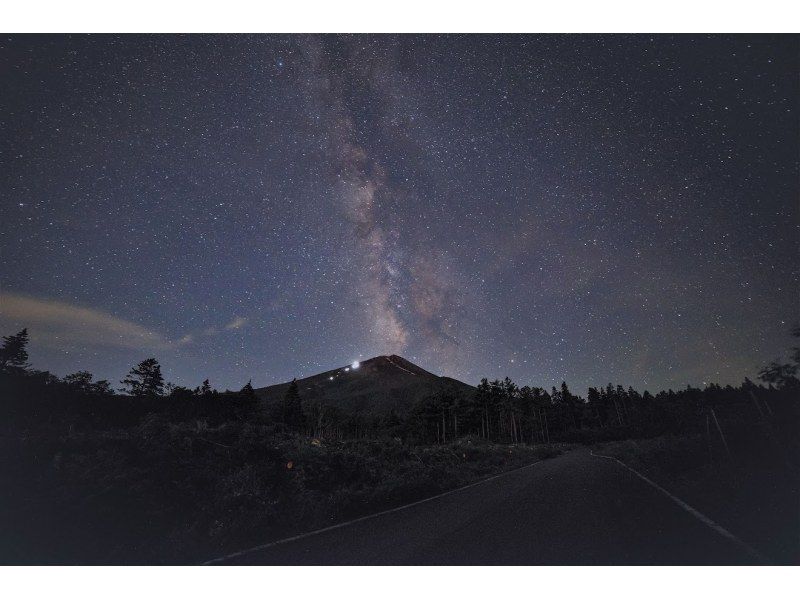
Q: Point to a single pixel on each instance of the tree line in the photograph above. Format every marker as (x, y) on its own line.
(498, 411)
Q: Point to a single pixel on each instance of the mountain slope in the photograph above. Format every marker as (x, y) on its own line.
(377, 385)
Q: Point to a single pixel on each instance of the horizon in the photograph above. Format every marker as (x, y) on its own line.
(348, 366)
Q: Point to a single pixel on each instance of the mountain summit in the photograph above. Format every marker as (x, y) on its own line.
(375, 385)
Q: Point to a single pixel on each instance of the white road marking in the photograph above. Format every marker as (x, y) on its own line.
(695, 513)
(366, 517)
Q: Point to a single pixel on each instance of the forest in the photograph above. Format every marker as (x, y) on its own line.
(175, 474)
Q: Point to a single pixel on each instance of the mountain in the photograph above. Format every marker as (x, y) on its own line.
(376, 385)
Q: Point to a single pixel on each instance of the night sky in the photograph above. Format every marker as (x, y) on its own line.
(593, 209)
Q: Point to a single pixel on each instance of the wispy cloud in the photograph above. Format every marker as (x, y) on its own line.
(58, 323)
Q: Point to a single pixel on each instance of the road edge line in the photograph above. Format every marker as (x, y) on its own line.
(366, 517)
(695, 513)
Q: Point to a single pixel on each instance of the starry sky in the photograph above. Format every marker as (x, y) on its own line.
(585, 208)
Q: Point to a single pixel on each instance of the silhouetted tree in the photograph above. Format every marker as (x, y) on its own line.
(247, 391)
(782, 375)
(14, 353)
(482, 405)
(145, 380)
(613, 401)
(597, 411)
(80, 381)
(102, 388)
(181, 392)
(293, 415)
(509, 415)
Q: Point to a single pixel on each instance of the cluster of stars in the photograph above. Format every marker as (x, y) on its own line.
(587, 208)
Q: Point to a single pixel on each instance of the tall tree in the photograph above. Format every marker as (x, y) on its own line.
(293, 415)
(145, 380)
(595, 405)
(14, 353)
(482, 402)
(247, 391)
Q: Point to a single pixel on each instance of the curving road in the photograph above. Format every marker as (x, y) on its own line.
(576, 509)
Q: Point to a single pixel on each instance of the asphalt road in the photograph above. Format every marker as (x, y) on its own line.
(576, 509)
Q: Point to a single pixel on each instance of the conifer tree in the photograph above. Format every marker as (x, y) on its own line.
(247, 391)
(13, 353)
(145, 380)
(293, 415)
(81, 381)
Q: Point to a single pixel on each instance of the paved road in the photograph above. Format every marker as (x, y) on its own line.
(575, 509)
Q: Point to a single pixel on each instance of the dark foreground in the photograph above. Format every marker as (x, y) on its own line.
(576, 509)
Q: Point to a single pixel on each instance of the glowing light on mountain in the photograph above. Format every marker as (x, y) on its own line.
(355, 365)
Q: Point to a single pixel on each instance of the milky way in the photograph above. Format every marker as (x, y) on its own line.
(594, 209)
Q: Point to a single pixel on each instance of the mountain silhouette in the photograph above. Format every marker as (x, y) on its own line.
(376, 385)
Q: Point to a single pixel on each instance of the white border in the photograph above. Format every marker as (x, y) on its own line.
(400, 582)
(424, 16)
(162, 16)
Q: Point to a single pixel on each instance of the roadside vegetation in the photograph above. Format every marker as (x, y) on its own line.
(167, 491)
(168, 474)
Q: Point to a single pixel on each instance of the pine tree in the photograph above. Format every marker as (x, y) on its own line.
(145, 380)
(247, 391)
(80, 381)
(13, 353)
(595, 405)
(293, 415)
(482, 401)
